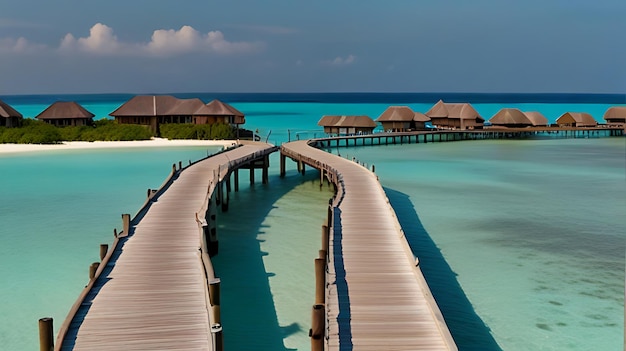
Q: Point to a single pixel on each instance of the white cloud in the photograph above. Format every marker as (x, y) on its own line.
(19, 46)
(164, 42)
(101, 41)
(340, 61)
(187, 39)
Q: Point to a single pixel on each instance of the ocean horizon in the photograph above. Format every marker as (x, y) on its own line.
(521, 241)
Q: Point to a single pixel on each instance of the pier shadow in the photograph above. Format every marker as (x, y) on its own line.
(249, 316)
(467, 328)
(343, 295)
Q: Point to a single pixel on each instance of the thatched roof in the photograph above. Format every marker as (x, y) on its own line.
(580, 118)
(455, 110)
(347, 122)
(615, 112)
(536, 118)
(219, 108)
(420, 117)
(63, 110)
(7, 111)
(510, 116)
(158, 105)
(396, 114)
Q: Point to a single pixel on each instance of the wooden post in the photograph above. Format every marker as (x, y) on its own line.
(321, 177)
(236, 180)
(214, 296)
(317, 327)
(283, 159)
(93, 268)
(265, 177)
(320, 280)
(180, 164)
(103, 250)
(126, 223)
(218, 338)
(325, 237)
(46, 334)
(251, 173)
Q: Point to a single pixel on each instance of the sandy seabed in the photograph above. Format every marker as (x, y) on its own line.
(82, 145)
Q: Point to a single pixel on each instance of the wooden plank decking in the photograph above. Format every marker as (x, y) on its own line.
(377, 299)
(152, 293)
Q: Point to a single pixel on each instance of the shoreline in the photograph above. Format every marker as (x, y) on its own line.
(86, 145)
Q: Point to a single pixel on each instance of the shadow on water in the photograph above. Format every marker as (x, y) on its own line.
(249, 314)
(467, 328)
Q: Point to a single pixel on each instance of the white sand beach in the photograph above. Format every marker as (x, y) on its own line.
(80, 145)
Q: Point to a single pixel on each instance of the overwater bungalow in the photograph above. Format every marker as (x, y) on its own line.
(455, 116)
(576, 119)
(510, 118)
(9, 117)
(66, 113)
(615, 115)
(536, 118)
(396, 119)
(347, 125)
(154, 110)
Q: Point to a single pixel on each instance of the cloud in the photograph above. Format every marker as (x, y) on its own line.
(340, 61)
(187, 39)
(19, 46)
(101, 40)
(164, 42)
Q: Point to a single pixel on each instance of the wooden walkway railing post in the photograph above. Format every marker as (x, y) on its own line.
(318, 321)
(46, 334)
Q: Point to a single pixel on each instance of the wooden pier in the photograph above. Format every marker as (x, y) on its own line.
(156, 289)
(470, 134)
(370, 291)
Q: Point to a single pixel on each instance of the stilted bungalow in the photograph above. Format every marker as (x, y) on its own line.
(9, 117)
(576, 119)
(396, 119)
(419, 121)
(536, 118)
(63, 114)
(615, 115)
(154, 110)
(510, 118)
(347, 125)
(455, 116)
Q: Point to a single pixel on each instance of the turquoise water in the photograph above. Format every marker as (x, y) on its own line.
(522, 241)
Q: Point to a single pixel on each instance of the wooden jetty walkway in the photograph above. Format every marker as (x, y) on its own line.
(441, 135)
(154, 290)
(371, 292)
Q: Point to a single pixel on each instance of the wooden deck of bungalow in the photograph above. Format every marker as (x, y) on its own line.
(154, 289)
(370, 293)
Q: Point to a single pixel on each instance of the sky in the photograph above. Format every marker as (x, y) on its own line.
(168, 46)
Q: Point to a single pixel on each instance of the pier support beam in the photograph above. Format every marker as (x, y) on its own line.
(266, 166)
(317, 327)
(236, 180)
(283, 159)
(320, 280)
(251, 174)
(46, 334)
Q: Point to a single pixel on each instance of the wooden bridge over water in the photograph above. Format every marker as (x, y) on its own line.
(156, 289)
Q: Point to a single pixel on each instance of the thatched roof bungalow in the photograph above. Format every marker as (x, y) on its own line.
(9, 117)
(615, 115)
(218, 111)
(396, 118)
(347, 125)
(510, 118)
(576, 119)
(62, 114)
(455, 116)
(402, 119)
(536, 118)
(154, 110)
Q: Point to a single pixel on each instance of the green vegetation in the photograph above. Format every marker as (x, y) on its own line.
(38, 132)
(197, 131)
